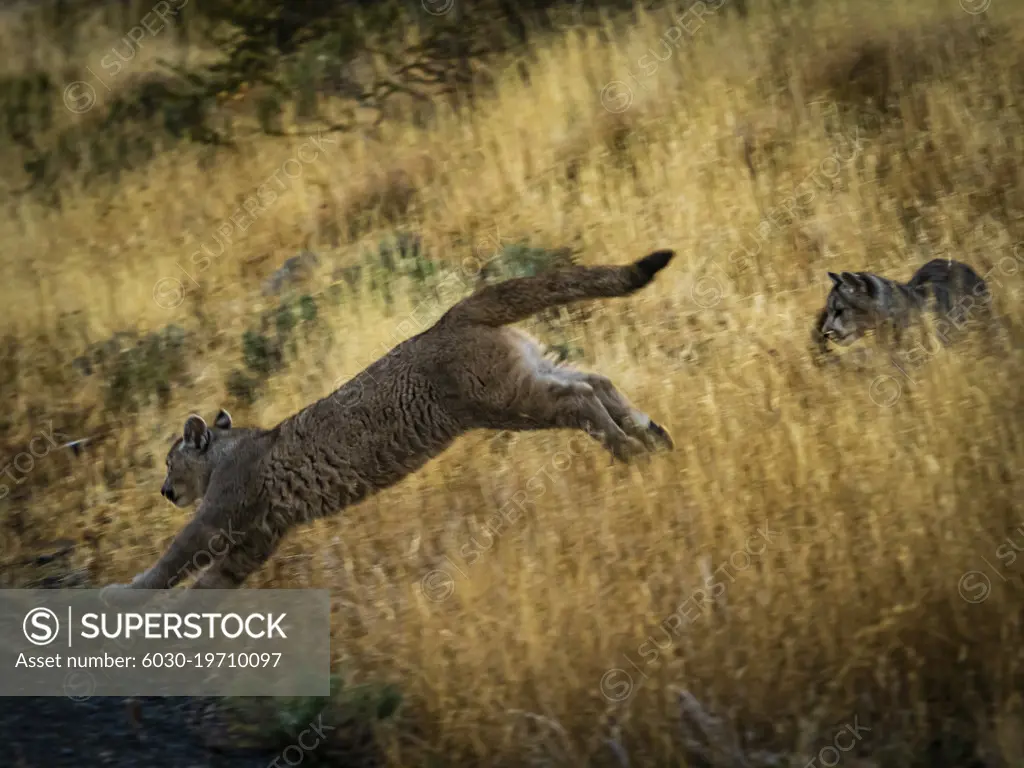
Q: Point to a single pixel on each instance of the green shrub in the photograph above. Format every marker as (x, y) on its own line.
(269, 347)
(138, 370)
(261, 354)
(350, 712)
(400, 257)
(523, 260)
(124, 131)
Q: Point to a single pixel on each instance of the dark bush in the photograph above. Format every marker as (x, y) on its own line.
(137, 370)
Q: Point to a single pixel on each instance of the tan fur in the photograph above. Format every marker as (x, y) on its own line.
(466, 372)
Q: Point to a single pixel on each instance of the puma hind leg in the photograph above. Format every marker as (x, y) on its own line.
(629, 418)
(557, 403)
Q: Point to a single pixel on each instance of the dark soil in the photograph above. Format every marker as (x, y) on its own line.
(51, 732)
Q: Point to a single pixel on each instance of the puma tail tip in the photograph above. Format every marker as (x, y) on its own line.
(653, 263)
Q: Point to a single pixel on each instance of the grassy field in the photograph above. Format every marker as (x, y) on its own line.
(829, 549)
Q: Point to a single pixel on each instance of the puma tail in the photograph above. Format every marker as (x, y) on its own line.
(519, 298)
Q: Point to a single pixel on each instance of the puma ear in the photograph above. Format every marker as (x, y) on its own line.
(223, 420)
(196, 432)
(836, 279)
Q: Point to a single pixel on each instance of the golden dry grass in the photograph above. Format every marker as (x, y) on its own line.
(879, 500)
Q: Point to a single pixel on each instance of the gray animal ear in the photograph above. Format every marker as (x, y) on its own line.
(196, 432)
(870, 287)
(852, 281)
(836, 279)
(223, 420)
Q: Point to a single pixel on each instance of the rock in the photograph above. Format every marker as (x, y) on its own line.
(293, 271)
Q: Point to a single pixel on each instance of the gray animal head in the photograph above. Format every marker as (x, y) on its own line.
(851, 308)
(193, 456)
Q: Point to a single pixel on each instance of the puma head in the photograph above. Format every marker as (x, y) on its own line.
(192, 458)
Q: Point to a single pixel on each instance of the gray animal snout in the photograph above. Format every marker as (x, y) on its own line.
(167, 491)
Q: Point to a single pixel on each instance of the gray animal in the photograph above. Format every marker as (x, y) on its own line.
(861, 301)
(468, 371)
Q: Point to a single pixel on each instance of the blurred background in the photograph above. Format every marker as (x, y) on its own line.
(242, 203)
